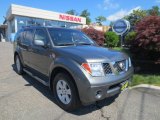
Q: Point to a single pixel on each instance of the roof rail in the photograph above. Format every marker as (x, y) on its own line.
(64, 26)
(28, 26)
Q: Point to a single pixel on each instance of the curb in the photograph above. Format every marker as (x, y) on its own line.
(146, 86)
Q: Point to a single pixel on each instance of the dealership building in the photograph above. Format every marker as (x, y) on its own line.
(20, 16)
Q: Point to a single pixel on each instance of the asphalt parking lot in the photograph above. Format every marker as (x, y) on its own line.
(23, 98)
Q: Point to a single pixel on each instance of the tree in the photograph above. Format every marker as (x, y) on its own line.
(111, 23)
(111, 39)
(155, 11)
(130, 37)
(100, 19)
(148, 33)
(96, 35)
(147, 41)
(136, 16)
(86, 14)
(72, 12)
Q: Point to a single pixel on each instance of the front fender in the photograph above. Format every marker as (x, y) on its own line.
(70, 65)
(75, 71)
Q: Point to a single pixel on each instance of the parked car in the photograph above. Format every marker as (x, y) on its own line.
(74, 67)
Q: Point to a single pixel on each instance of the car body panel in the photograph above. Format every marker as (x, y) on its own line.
(70, 58)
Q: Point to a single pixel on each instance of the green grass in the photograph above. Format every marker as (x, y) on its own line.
(146, 79)
(118, 48)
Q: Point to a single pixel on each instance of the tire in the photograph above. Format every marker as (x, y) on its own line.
(65, 92)
(18, 65)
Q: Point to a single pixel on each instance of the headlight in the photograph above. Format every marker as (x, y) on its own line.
(130, 64)
(95, 69)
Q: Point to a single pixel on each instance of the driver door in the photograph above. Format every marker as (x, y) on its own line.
(40, 57)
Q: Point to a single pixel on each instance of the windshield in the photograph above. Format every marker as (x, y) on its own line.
(64, 37)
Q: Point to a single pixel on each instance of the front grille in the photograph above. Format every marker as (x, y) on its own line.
(115, 67)
(107, 68)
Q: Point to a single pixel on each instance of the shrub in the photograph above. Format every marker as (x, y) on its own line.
(130, 37)
(148, 33)
(147, 42)
(111, 39)
(96, 35)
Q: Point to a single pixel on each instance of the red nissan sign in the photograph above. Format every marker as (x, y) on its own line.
(70, 18)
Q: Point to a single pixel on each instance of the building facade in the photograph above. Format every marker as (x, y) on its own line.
(20, 16)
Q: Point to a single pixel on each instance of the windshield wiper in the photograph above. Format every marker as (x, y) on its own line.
(65, 44)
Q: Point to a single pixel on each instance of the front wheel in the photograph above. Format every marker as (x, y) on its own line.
(18, 64)
(65, 92)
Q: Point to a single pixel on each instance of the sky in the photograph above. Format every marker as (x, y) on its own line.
(111, 9)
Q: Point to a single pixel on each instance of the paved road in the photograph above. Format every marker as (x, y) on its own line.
(23, 98)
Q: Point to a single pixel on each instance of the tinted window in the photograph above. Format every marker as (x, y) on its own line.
(40, 34)
(18, 36)
(68, 37)
(27, 36)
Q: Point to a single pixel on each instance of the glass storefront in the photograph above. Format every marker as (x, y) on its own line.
(21, 22)
(13, 26)
(27, 21)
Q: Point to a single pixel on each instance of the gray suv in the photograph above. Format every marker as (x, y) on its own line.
(74, 67)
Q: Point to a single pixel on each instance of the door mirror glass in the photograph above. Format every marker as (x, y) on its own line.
(39, 42)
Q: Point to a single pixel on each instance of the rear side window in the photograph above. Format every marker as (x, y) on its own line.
(27, 37)
(40, 34)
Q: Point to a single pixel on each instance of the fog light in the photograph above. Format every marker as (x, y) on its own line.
(98, 94)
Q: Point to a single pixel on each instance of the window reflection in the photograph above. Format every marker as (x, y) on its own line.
(12, 26)
(21, 22)
(51, 23)
(39, 22)
(28, 21)
(31, 22)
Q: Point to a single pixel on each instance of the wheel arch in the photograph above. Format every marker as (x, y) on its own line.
(15, 53)
(20, 56)
(60, 69)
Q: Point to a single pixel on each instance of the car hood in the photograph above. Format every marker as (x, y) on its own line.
(92, 53)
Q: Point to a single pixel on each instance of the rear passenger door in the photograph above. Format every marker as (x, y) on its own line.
(25, 45)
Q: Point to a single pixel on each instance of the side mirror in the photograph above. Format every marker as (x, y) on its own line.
(39, 42)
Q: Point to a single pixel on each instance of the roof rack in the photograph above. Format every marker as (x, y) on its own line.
(26, 26)
(32, 26)
(63, 26)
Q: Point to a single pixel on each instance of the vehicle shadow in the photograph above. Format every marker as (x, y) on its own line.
(49, 94)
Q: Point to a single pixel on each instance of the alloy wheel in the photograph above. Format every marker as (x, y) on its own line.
(63, 91)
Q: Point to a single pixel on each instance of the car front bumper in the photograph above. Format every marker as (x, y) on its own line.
(98, 93)
(112, 86)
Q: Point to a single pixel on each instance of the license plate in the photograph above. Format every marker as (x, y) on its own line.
(124, 85)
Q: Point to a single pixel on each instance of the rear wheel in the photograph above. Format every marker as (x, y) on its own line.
(65, 92)
(18, 64)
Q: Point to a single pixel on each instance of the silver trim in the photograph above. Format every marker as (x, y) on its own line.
(37, 78)
(113, 90)
(127, 65)
(111, 64)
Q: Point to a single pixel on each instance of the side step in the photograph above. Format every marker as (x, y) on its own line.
(35, 77)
